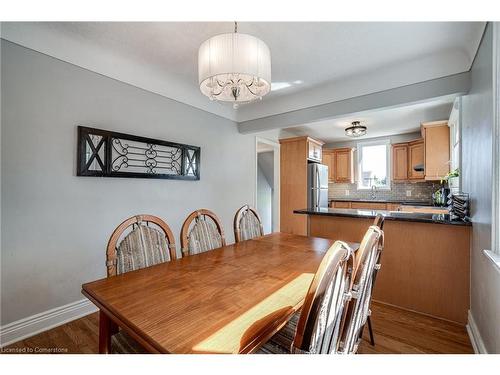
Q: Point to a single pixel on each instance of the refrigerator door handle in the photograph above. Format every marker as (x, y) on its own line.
(318, 186)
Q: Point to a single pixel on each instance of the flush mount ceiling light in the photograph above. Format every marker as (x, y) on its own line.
(355, 130)
(234, 68)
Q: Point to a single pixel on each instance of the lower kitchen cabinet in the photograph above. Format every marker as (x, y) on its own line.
(341, 204)
(369, 205)
(393, 207)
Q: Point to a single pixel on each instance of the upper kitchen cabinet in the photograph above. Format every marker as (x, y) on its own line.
(314, 150)
(400, 162)
(343, 170)
(408, 161)
(416, 160)
(436, 136)
(328, 160)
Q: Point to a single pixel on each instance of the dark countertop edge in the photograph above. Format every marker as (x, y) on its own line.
(415, 217)
(402, 201)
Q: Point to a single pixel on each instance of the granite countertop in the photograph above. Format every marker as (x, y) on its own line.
(388, 215)
(376, 200)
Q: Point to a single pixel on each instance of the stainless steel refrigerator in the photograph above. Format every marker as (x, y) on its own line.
(317, 185)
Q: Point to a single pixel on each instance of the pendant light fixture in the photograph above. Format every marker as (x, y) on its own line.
(355, 130)
(234, 68)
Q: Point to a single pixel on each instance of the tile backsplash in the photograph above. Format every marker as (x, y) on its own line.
(420, 191)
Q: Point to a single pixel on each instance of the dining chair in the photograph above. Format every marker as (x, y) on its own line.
(318, 326)
(247, 224)
(378, 222)
(202, 231)
(365, 263)
(140, 241)
(147, 240)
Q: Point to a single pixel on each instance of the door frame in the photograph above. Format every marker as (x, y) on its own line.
(276, 180)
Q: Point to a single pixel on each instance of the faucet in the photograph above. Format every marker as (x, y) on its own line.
(374, 190)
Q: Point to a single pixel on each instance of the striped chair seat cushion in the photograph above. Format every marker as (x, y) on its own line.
(204, 236)
(122, 343)
(143, 247)
(281, 342)
(250, 226)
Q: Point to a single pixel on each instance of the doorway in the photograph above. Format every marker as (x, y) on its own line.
(267, 183)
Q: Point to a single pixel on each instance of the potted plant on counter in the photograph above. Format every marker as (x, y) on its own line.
(439, 197)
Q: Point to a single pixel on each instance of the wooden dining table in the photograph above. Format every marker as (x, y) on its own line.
(228, 300)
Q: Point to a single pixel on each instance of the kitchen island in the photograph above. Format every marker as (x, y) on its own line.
(425, 262)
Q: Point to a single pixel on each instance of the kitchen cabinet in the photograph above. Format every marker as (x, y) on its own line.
(328, 160)
(343, 165)
(406, 157)
(400, 162)
(436, 136)
(294, 155)
(341, 204)
(416, 160)
(369, 205)
(314, 152)
(424, 209)
(393, 206)
(365, 205)
(387, 206)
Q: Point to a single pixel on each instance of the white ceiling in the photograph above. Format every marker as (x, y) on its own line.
(379, 123)
(318, 62)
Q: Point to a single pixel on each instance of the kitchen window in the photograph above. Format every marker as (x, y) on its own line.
(374, 165)
(455, 145)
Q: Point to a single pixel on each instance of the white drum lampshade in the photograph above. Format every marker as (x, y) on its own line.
(234, 68)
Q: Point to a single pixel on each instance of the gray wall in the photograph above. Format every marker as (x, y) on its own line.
(477, 128)
(55, 225)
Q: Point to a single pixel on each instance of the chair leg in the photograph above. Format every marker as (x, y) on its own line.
(372, 340)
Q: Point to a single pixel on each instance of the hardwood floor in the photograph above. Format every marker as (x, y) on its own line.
(396, 331)
(400, 331)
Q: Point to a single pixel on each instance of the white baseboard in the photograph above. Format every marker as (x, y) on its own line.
(475, 336)
(32, 325)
